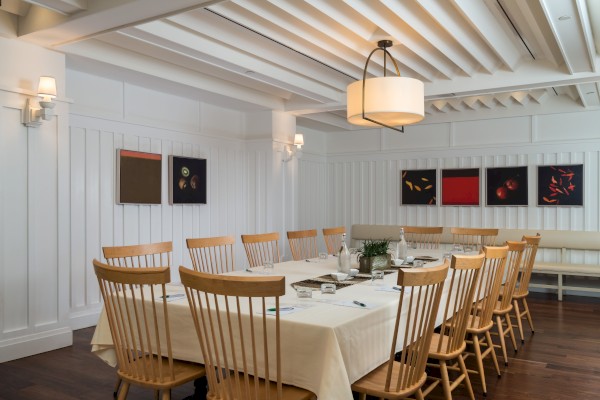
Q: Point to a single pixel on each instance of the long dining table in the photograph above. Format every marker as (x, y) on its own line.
(327, 342)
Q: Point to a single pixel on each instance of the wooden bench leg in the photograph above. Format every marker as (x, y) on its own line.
(560, 287)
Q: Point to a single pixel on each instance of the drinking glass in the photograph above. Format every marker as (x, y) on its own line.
(322, 256)
(418, 264)
(269, 267)
(377, 277)
(304, 292)
(457, 248)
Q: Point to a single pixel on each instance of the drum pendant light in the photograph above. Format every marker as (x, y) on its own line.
(388, 101)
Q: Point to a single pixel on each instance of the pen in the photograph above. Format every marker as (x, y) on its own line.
(281, 309)
(396, 288)
(358, 303)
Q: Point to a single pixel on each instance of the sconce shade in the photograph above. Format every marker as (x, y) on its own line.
(47, 87)
(298, 140)
(392, 100)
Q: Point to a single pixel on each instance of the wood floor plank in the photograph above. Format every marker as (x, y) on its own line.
(560, 361)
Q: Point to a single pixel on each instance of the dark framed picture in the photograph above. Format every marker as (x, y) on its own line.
(419, 187)
(506, 186)
(460, 187)
(560, 185)
(187, 180)
(138, 177)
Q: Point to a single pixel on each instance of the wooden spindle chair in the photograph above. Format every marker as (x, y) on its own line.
(261, 248)
(139, 325)
(522, 287)
(505, 306)
(486, 296)
(303, 244)
(475, 238)
(449, 344)
(415, 320)
(333, 238)
(213, 255)
(423, 237)
(239, 339)
(139, 255)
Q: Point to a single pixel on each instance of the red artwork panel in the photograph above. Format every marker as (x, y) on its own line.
(460, 187)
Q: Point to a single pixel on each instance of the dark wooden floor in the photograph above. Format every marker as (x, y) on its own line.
(560, 361)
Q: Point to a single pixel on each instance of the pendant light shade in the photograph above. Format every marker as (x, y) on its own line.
(388, 101)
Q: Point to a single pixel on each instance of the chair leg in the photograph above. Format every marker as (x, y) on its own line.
(488, 338)
(124, 390)
(511, 331)
(463, 368)
(166, 394)
(445, 380)
(501, 335)
(418, 395)
(519, 323)
(528, 314)
(479, 360)
(362, 396)
(117, 385)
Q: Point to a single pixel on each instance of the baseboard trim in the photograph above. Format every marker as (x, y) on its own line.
(35, 343)
(84, 319)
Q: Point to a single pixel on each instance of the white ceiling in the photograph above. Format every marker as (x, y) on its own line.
(477, 58)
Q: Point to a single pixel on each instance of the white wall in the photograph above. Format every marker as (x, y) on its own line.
(363, 170)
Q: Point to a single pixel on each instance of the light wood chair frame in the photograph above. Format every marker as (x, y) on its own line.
(415, 319)
(212, 255)
(232, 341)
(303, 244)
(423, 237)
(449, 344)
(485, 300)
(333, 238)
(522, 287)
(140, 329)
(474, 237)
(504, 306)
(261, 248)
(139, 255)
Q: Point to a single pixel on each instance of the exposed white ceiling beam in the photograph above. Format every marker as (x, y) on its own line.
(483, 21)
(62, 6)
(96, 50)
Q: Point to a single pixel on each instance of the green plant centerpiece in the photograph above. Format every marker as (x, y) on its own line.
(374, 255)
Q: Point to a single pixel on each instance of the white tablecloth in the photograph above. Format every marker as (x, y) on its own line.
(325, 347)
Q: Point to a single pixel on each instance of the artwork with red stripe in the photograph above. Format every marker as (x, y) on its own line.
(460, 187)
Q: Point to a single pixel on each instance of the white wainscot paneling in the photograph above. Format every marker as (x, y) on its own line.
(346, 142)
(490, 132)
(573, 126)
(95, 95)
(162, 110)
(222, 122)
(418, 136)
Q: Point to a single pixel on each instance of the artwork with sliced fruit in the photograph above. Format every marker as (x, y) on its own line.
(419, 187)
(560, 185)
(506, 186)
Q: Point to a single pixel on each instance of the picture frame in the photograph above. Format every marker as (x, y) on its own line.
(139, 177)
(507, 186)
(418, 187)
(560, 185)
(187, 180)
(460, 187)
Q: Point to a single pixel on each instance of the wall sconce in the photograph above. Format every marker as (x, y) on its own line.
(290, 152)
(32, 117)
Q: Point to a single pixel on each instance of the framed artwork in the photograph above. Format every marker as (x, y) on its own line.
(560, 185)
(419, 187)
(187, 180)
(506, 186)
(460, 187)
(138, 177)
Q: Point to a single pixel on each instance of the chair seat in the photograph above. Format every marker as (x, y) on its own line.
(474, 322)
(372, 383)
(433, 348)
(183, 372)
(289, 392)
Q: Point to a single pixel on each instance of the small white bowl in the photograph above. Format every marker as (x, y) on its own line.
(410, 259)
(339, 276)
(397, 261)
(353, 272)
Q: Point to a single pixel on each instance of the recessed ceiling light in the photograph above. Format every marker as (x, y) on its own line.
(564, 17)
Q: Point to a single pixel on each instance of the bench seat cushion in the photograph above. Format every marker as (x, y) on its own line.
(588, 269)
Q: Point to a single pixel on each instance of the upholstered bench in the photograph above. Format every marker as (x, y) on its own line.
(562, 255)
